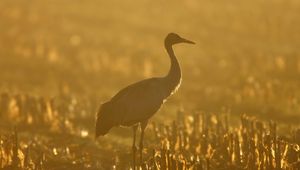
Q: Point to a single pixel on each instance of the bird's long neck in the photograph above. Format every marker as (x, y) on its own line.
(173, 78)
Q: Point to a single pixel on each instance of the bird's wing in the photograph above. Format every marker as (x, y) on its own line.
(139, 101)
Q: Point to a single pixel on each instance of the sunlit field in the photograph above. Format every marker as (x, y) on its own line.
(238, 106)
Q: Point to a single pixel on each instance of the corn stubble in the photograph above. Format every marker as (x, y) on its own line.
(197, 141)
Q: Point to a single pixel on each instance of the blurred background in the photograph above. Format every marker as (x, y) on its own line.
(246, 58)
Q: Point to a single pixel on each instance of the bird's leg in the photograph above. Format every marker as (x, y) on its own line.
(143, 127)
(133, 146)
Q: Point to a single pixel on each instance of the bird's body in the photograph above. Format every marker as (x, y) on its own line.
(138, 102)
(146, 103)
(147, 95)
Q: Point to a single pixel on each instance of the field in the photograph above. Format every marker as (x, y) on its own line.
(238, 106)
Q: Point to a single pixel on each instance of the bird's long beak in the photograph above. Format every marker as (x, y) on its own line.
(187, 41)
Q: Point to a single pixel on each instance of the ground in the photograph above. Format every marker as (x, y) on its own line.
(60, 59)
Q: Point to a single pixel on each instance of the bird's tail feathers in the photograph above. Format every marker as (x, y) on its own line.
(104, 120)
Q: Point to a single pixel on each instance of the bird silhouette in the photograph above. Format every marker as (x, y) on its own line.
(137, 103)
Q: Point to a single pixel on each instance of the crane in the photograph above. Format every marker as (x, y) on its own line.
(137, 103)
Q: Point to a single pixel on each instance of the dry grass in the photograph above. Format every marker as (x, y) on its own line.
(58, 140)
(207, 141)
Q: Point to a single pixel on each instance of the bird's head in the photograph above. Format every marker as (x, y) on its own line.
(173, 38)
